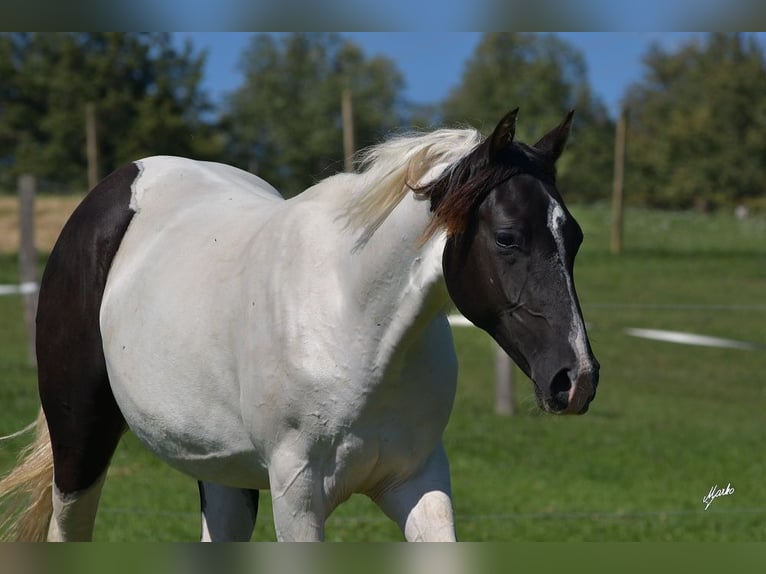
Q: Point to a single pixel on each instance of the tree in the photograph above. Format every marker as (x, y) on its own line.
(285, 121)
(698, 125)
(545, 77)
(147, 95)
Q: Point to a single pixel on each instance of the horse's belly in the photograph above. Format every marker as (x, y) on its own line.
(175, 380)
(191, 422)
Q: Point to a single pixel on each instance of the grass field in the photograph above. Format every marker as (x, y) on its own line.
(670, 421)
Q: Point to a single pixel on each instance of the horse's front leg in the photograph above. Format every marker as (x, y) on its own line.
(297, 499)
(422, 505)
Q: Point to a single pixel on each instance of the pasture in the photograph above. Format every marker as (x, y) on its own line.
(669, 421)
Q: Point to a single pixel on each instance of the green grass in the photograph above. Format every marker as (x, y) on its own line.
(669, 422)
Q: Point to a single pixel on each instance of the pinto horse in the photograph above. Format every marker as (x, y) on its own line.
(301, 345)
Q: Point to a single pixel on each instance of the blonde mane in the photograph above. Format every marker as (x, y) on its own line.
(390, 170)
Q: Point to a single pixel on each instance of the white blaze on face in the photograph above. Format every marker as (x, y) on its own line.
(577, 337)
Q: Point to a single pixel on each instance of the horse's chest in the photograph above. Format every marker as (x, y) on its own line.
(384, 430)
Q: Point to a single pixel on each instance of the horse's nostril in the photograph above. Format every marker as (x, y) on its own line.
(561, 385)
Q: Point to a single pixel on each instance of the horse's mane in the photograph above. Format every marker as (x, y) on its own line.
(467, 173)
(390, 170)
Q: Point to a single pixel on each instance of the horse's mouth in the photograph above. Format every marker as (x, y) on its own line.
(555, 408)
(572, 406)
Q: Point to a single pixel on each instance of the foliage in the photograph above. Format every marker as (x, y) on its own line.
(545, 77)
(285, 121)
(697, 119)
(147, 95)
(697, 135)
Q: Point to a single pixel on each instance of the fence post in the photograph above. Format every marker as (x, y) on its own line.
(91, 144)
(28, 259)
(618, 183)
(504, 383)
(347, 109)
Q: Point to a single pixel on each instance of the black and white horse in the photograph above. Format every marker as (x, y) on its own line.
(299, 346)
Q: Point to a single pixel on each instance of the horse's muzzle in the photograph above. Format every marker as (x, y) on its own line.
(582, 393)
(572, 395)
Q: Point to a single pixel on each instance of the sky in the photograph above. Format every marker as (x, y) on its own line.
(432, 62)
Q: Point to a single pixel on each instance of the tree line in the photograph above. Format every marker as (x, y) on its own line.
(697, 117)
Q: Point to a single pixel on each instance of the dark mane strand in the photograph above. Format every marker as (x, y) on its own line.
(463, 186)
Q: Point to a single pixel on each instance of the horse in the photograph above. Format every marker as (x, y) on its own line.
(299, 346)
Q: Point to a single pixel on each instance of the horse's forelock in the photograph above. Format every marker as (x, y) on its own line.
(458, 191)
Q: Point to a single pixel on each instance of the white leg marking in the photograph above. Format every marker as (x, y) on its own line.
(422, 506)
(75, 514)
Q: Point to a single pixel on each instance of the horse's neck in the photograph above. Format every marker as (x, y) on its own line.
(393, 285)
(399, 281)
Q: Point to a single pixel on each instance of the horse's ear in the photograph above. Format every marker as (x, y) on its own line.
(554, 141)
(503, 134)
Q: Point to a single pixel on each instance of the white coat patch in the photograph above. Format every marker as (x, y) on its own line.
(135, 189)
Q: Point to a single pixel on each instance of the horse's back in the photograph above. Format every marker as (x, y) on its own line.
(170, 178)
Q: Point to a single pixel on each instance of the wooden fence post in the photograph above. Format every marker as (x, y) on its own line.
(91, 144)
(618, 184)
(347, 113)
(28, 259)
(504, 383)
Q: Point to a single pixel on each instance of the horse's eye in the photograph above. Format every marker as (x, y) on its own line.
(506, 239)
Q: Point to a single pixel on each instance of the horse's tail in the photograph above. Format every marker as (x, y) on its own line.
(26, 502)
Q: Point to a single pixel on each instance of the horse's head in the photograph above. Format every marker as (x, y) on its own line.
(509, 260)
